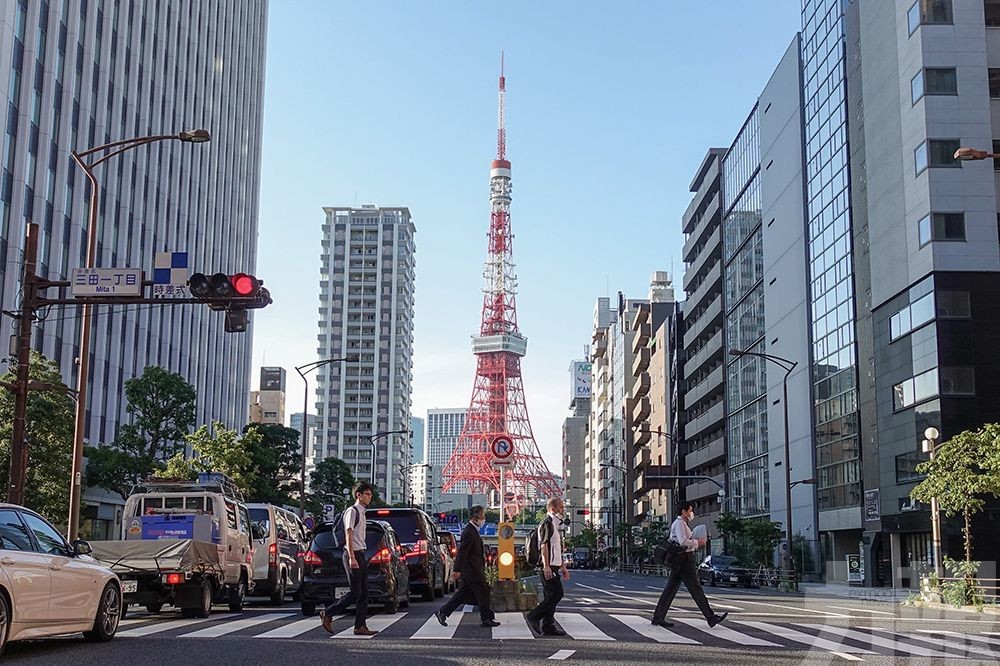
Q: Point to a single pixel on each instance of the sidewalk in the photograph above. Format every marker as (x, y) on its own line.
(857, 592)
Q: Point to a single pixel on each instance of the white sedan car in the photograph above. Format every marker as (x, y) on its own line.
(48, 587)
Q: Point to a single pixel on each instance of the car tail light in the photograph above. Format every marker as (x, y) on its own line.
(174, 578)
(381, 557)
(272, 554)
(382, 512)
(312, 558)
(454, 551)
(419, 548)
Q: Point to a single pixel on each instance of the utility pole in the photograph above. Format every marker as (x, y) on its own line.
(19, 447)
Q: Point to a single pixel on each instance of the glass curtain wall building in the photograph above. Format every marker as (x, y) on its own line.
(746, 379)
(82, 73)
(830, 255)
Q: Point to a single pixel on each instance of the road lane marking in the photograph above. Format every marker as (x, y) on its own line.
(992, 651)
(580, 628)
(862, 610)
(712, 596)
(726, 633)
(844, 655)
(620, 587)
(797, 610)
(562, 654)
(375, 623)
(293, 629)
(805, 638)
(641, 625)
(620, 596)
(158, 627)
(873, 640)
(432, 629)
(971, 637)
(650, 587)
(513, 626)
(223, 628)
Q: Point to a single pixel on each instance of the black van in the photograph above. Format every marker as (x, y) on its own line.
(424, 555)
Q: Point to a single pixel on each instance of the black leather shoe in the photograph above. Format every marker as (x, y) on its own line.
(489, 623)
(553, 631)
(716, 619)
(662, 623)
(534, 625)
(442, 618)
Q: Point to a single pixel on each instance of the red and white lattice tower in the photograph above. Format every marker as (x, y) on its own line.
(497, 406)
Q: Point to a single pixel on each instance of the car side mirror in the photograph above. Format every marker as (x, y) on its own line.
(81, 547)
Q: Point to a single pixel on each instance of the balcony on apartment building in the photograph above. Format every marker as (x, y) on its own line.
(641, 459)
(640, 363)
(640, 408)
(706, 387)
(700, 490)
(641, 386)
(710, 284)
(706, 455)
(641, 327)
(642, 435)
(700, 229)
(711, 316)
(713, 416)
(711, 351)
(707, 254)
(705, 185)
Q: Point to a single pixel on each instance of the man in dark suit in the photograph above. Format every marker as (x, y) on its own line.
(470, 571)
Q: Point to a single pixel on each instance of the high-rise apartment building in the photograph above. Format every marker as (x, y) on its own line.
(82, 74)
(703, 446)
(601, 433)
(367, 280)
(574, 442)
(419, 430)
(444, 427)
(268, 404)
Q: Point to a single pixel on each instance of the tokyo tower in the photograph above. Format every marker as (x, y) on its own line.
(497, 407)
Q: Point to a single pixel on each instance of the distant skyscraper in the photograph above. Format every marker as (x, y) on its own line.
(366, 297)
(419, 448)
(444, 426)
(81, 74)
(268, 404)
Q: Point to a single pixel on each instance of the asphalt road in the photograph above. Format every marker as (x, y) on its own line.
(605, 614)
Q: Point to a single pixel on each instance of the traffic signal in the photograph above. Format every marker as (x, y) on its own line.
(505, 551)
(583, 512)
(442, 517)
(223, 291)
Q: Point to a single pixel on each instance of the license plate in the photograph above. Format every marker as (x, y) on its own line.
(130, 586)
(335, 592)
(734, 579)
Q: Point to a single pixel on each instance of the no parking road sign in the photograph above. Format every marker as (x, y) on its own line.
(502, 448)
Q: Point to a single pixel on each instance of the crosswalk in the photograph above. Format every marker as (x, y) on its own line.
(592, 626)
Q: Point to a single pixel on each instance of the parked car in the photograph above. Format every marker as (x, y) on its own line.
(418, 536)
(324, 578)
(279, 540)
(723, 569)
(449, 551)
(49, 587)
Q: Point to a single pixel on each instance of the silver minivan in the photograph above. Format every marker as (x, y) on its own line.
(279, 542)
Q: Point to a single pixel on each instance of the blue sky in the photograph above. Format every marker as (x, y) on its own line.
(610, 109)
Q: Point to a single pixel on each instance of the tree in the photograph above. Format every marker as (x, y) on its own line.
(762, 536)
(162, 405)
(49, 437)
(331, 482)
(587, 538)
(730, 526)
(275, 459)
(223, 450)
(963, 471)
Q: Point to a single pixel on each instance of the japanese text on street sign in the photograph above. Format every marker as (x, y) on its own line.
(106, 281)
(170, 274)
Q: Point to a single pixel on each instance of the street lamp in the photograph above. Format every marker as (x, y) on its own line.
(303, 370)
(380, 435)
(931, 436)
(968, 154)
(787, 365)
(111, 150)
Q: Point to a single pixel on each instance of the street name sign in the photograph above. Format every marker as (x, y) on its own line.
(106, 282)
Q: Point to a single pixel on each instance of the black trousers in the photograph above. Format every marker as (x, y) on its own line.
(359, 590)
(686, 573)
(472, 591)
(545, 611)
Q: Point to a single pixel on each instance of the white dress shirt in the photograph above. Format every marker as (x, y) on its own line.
(681, 533)
(555, 543)
(356, 514)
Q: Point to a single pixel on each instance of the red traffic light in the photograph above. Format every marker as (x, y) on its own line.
(441, 516)
(244, 284)
(583, 512)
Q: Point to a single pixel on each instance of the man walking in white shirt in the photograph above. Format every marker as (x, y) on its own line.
(682, 570)
(355, 563)
(542, 618)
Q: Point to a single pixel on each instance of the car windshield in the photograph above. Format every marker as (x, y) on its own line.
(724, 561)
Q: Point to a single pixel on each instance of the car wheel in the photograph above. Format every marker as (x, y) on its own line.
(278, 596)
(204, 608)
(308, 609)
(392, 603)
(4, 621)
(428, 595)
(238, 595)
(109, 613)
(153, 608)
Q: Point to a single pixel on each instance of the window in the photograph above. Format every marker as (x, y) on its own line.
(991, 9)
(994, 76)
(13, 534)
(996, 151)
(958, 381)
(911, 317)
(941, 227)
(49, 540)
(934, 81)
(914, 390)
(953, 305)
(906, 466)
(925, 12)
(230, 515)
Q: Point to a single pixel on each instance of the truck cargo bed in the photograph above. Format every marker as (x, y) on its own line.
(158, 555)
